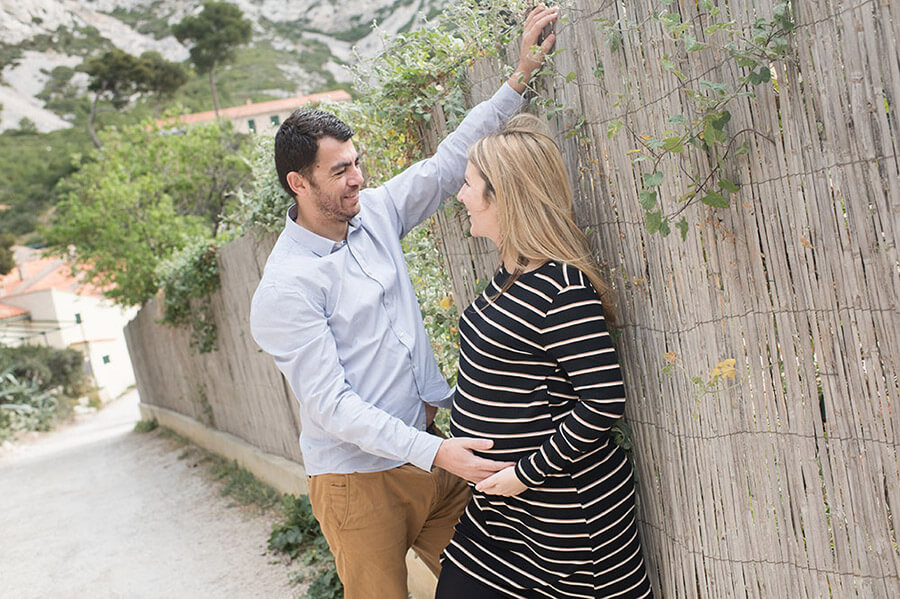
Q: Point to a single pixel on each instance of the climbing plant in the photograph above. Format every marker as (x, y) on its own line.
(187, 279)
(703, 128)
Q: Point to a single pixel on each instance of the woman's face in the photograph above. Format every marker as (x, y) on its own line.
(483, 219)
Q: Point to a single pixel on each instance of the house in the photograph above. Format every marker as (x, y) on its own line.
(261, 117)
(43, 303)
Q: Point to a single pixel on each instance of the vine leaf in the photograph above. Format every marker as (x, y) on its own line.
(763, 75)
(648, 200)
(653, 221)
(682, 226)
(653, 179)
(613, 128)
(728, 186)
(715, 199)
(691, 44)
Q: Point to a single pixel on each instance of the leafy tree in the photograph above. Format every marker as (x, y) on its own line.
(163, 78)
(116, 76)
(214, 35)
(148, 194)
(7, 259)
(30, 166)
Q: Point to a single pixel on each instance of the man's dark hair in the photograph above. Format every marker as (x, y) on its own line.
(298, 138)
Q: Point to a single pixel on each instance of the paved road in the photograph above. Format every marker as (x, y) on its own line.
(97, 510)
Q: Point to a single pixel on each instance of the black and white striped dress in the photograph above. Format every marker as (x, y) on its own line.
(538, 374)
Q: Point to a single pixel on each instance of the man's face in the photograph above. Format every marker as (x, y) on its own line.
(335, 180)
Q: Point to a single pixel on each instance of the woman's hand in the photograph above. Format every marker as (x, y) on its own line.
(504, 483)
(531, 54)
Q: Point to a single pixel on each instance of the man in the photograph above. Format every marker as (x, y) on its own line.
(336, 309)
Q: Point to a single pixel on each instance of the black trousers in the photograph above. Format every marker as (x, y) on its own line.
(456, 584)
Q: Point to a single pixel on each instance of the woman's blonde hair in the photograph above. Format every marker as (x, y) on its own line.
(524, 173)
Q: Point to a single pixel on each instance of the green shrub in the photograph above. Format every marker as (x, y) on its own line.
(145, 426)
(263, 207)
(47, 368)
(326, 585)
(299, 530)
(23, 405)
(300, 535)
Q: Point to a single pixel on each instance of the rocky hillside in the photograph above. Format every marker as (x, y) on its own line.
(42, 42)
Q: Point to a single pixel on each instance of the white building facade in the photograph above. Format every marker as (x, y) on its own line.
(42, 304)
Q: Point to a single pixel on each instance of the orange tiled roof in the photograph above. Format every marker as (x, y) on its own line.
(251, 110)
(7, 311)
(37, 273)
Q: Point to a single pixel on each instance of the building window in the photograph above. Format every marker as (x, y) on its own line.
(252, 125)
(106, 359)
(78, 319)
(274, 119)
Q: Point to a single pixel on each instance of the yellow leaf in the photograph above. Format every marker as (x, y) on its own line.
(446, 302)
(725, 369)
(670, 357)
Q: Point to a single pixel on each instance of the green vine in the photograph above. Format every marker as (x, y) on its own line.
(187, 280)
(706, 130)
(423, 68)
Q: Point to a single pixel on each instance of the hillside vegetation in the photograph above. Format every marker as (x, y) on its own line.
(303, 53)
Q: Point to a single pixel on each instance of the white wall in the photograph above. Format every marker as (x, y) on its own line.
(99, 334)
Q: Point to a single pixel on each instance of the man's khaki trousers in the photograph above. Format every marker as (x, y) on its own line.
(371, 519)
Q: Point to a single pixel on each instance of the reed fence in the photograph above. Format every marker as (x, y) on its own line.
(781, 482)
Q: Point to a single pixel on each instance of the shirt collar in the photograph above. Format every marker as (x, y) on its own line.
(320, 246)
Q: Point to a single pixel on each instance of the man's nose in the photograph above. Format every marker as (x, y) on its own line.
(356, 176)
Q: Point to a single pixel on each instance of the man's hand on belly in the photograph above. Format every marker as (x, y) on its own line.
(456, 456)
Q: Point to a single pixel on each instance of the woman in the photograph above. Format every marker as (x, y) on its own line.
(538, 375)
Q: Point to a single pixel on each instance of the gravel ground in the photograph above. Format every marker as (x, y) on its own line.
(95, 510)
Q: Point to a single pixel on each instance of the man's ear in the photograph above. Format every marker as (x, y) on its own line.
(298, 183)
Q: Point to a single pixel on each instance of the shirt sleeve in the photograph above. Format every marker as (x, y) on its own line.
(575, 334)
(295, 332)
(417, 192)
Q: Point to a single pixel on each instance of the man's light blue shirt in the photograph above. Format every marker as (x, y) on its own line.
(343, 323)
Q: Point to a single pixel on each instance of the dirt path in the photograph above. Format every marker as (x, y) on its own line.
(97, 510)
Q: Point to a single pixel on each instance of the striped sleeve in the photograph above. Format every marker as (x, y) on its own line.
(575, 334)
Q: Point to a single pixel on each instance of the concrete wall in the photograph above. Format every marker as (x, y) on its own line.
(236, 389)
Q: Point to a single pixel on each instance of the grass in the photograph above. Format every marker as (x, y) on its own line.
(237, 483)
(241, 486)
(145, 426)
